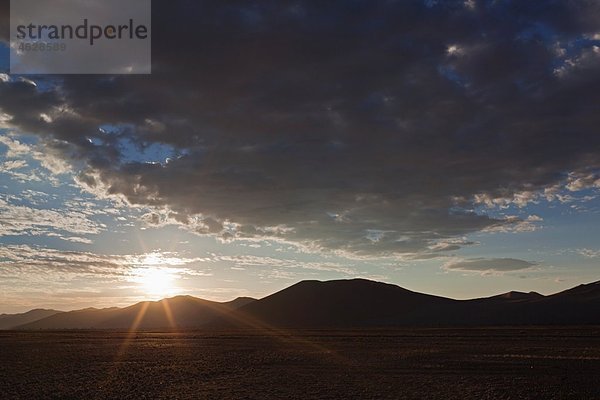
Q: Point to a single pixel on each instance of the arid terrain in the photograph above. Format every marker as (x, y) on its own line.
(487, 363)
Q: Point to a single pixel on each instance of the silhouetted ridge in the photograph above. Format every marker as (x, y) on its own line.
(349, 303)
(356, 303)
(10, 321)
(180, 312)
(239, 302)
(590, 291)
(518, 296)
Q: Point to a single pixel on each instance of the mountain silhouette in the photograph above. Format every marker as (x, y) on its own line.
(10, 321)
(517, 296)
(360, 303)
(347, 303)
(175, 313)
(355, 303)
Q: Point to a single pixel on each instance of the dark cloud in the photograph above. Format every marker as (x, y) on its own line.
(361, 126)
(4, 20)
(489, 265)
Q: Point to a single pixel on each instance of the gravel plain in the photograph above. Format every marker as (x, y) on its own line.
(507, 363)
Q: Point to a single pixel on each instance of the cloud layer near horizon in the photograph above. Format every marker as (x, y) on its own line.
(489, 265)
(371, 128)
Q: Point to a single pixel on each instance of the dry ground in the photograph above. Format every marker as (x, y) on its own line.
(532, 363)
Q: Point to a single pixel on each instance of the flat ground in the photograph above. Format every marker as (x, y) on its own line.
(444, 364)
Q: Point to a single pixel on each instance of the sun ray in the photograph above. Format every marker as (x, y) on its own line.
(283, 335)
(169, 313)
(129, 335)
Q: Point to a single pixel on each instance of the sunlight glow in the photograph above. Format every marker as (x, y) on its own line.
(156, 281)
(157, 273)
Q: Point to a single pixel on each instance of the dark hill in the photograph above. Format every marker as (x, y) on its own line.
(10, 321)
(518, 296)
(587, 292)
(362, 303)
(177, 312)
(579, 305)
(342, 303)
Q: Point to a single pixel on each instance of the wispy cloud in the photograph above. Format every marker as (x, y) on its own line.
(514, 224)
(489, 266)
(24, 220)
(589, 253)
(270, 262)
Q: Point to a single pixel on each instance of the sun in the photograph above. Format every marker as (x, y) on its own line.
(157, 274)
(156, 281)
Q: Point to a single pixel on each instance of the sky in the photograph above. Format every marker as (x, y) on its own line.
(449, 147)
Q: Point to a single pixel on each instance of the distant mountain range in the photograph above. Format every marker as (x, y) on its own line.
(8, 321)
(356, 303)
(182, 312)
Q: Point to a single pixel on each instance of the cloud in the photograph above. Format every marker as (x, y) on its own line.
(583, 181)
(589, 253)
(24, 220)
(14, 169)
(12, 165)
(20, 155)
(15, 149)
(249, 261)
(77, 239)
(489, 265)
(24, 259)
(514, 224)
(319, 123)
